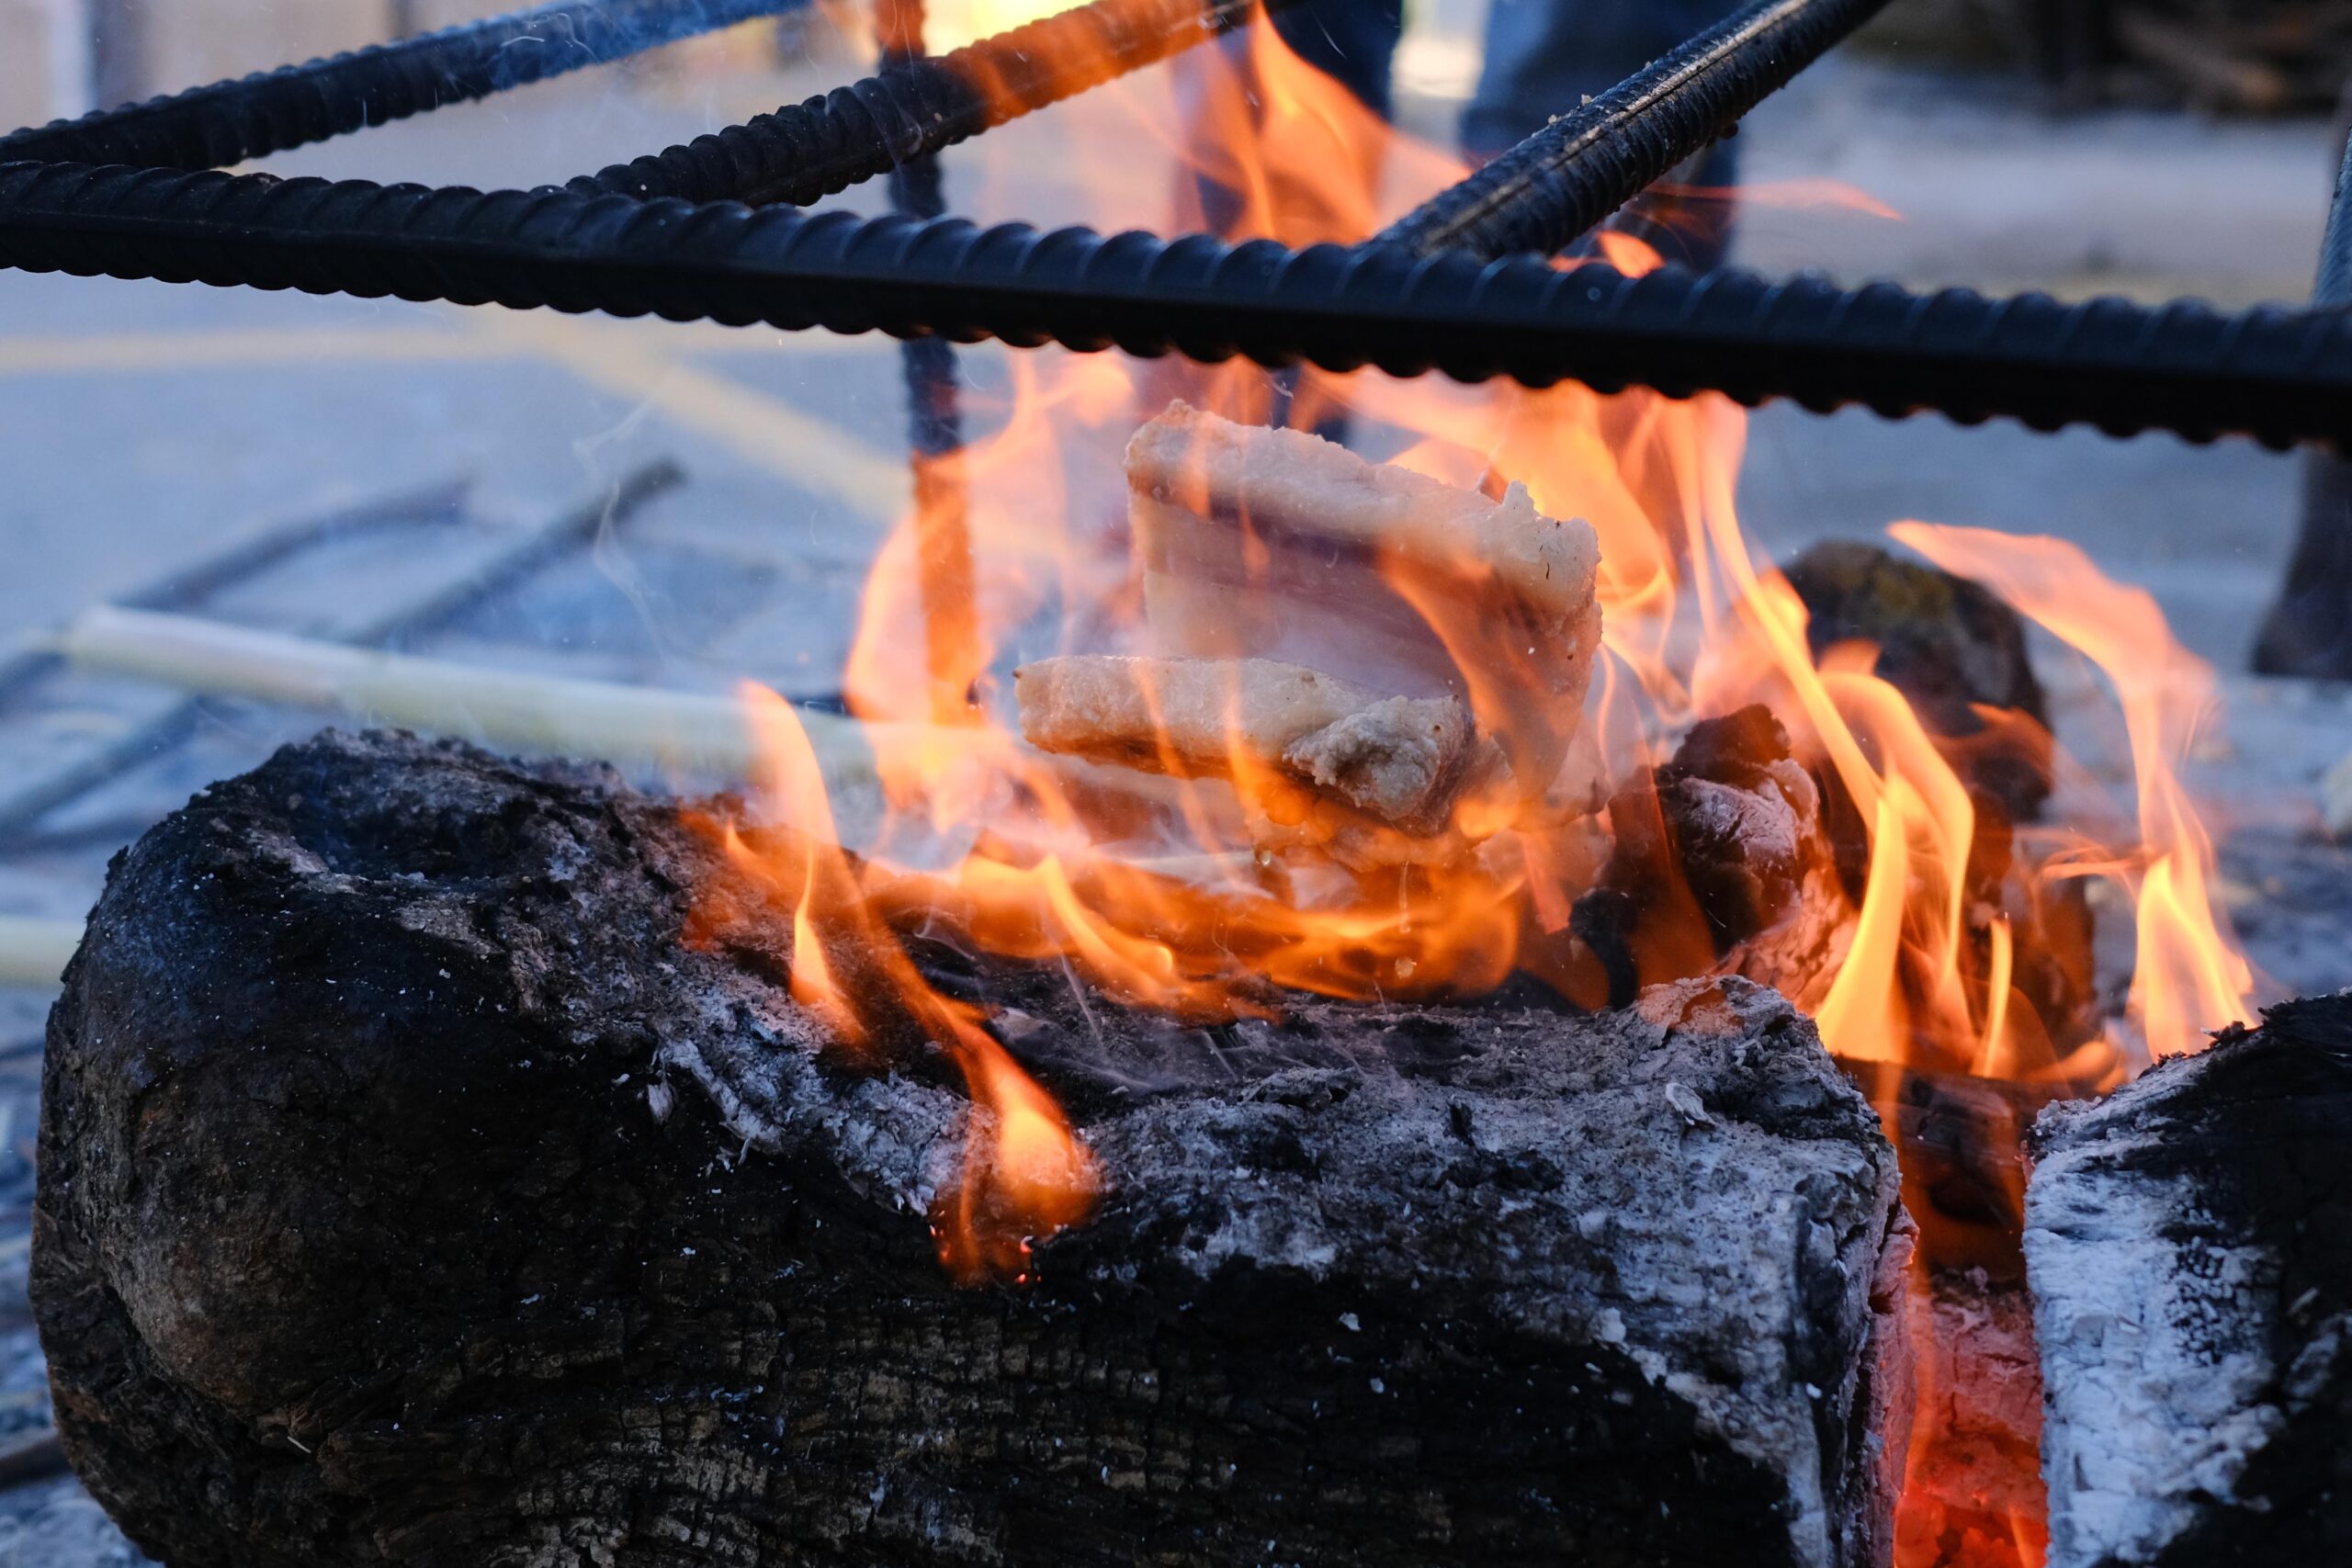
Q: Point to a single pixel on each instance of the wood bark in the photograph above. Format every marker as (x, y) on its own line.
(2189, 1243)
(413, 1193)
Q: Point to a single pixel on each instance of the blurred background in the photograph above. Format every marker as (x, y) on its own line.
(684, 506)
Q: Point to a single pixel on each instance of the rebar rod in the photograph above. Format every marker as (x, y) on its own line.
(943, 567)
(228, 122)
(810, 150)
(1551, 188)
(2279, 375)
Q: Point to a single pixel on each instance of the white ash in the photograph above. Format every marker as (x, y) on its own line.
(2147, 1341)
(2157, 1318)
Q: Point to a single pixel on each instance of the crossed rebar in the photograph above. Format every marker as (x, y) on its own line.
(1461, 286)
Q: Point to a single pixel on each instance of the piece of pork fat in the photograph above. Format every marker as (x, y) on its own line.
(1403, 760)
(1280, 546)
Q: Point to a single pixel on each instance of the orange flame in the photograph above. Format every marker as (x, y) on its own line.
(1954, 937)
(2188, 977)
(1025, 1176)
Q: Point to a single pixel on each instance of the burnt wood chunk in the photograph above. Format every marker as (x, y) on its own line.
(1720, 863)
(413, 1193)
(1950, 646)
(2188, 1241)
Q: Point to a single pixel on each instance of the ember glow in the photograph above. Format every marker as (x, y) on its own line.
(1943, 937)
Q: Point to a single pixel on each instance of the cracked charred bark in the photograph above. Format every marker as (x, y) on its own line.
(412, 1192)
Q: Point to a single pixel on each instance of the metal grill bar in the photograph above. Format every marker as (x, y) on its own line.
(228, 122)
(943, 567)
(2279, 375)
(1546, 192)
(916, 106)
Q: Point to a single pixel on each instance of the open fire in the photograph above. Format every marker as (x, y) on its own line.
(1136, 803)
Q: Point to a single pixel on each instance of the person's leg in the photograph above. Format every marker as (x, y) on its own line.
(1546, 57)
(1352, 41)
(2308, 630)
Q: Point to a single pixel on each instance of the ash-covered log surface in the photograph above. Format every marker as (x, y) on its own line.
(2189, 1243)
(411, 1192)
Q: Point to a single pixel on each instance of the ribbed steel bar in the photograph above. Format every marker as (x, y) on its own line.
(945, 574)
(2280, 376)
(1551, 188)
(228, 122)
(813, 149)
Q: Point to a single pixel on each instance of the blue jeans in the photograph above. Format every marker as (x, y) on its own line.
(1543, 57)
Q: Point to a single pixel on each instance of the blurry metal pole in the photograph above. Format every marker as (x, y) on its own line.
(935, 431)
(2309, 629)
(117, 52)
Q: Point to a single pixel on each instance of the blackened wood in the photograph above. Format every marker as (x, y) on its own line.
(1950, 646)
(1719, 864)
(412, 1193)
(2189, 1245)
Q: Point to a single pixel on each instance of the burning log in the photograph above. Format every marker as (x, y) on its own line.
(1403, 760)
(1278, 545)
(2189, 1245)
(412, 1190)
(1973, 1493)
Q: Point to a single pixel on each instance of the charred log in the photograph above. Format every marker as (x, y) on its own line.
(2189, 1246)
(1720, 862)
(1950, 646)
(411, 1192)
(1961, 1141)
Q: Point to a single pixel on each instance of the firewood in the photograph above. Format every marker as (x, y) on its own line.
(1951, 647)
(1278, 545)
(414, 1190)
(2188, 1240)
(1720, 862)
(1402, 760)
(2209, 72)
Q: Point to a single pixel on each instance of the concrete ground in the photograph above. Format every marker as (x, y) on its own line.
(145, 428)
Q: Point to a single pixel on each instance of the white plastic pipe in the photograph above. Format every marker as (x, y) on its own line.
(544, 714)
(33, 952)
